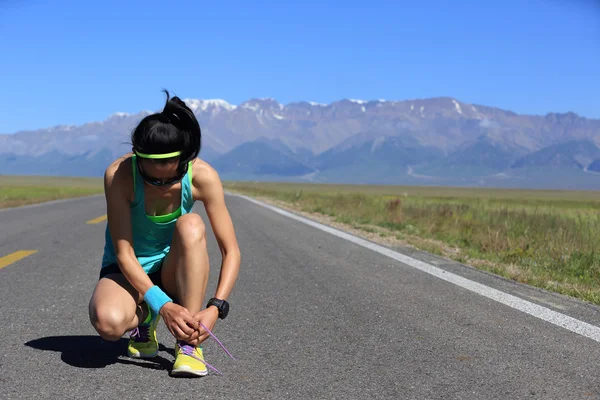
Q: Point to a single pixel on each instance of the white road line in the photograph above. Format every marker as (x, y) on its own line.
(543, 313)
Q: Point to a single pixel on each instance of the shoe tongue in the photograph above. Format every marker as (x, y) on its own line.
(140, 334)
(185, 345)
(149, 317)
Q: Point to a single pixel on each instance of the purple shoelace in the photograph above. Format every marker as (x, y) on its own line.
(140, 333)
(189, 350)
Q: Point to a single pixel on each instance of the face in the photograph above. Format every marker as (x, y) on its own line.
(161, 175)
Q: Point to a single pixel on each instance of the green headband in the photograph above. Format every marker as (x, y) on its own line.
(159, 156)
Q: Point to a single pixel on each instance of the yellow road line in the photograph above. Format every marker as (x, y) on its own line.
(96, 220)
(14, 257)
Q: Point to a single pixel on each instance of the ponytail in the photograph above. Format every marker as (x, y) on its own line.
(174, 129)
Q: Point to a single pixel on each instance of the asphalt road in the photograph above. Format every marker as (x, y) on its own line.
(313, 316)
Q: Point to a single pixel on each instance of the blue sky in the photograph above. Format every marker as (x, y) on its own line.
(71, 62)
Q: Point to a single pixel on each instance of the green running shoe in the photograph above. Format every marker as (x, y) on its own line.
(142, 340)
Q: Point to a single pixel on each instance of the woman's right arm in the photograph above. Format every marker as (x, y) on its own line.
(118, 206)
(118, 209)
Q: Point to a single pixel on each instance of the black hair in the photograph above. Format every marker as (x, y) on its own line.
(175, 128)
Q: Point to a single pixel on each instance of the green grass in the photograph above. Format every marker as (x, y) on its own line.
(549, 239)
(22, 190)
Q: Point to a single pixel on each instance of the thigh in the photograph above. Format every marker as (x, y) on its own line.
(114, 295)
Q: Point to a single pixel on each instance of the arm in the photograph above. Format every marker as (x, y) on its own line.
(220, 220)
(118, 207)
(207, 188)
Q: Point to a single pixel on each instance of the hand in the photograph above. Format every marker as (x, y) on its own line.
(180, 322)
(208, 317)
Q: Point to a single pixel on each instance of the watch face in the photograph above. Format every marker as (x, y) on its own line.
(222, 305)
(225, 308)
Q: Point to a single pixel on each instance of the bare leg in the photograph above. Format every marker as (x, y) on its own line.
(114, 307)
(186, 267)
(185, 275)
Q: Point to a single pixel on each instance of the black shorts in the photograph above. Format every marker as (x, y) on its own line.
(154, 277)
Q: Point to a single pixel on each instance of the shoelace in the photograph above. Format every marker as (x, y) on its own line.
(189, 350)
(140, 333)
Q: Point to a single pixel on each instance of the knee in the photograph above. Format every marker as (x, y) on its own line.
(108, 322)
(191, 230)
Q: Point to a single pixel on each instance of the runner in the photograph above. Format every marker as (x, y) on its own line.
(155, 261)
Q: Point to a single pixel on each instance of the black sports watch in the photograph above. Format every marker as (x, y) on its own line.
(222, 305)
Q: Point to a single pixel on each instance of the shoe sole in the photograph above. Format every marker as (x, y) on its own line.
(141, 355)
(185, 370)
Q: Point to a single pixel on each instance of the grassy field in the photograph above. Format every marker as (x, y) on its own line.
(547, 239)
(22, 190)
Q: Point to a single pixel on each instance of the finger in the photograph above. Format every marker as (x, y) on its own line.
(192, 338)
(187, 329)
(169, 328)
(201, 331)
(195, 335)
(191, 321)
(179, 334)
(202, 338)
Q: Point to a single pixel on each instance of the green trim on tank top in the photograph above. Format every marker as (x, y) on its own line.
(161, 219)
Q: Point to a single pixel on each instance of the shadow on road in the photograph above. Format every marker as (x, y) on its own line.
(94, 352)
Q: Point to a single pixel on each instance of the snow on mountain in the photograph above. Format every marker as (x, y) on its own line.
(458, 109)
(203, 105)
(262, 104)
(250, 106)
(120, 114)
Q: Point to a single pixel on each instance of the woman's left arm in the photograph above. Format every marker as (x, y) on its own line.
(213, 197)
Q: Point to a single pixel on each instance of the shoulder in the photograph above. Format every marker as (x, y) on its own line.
(205, 180)
(118, 176)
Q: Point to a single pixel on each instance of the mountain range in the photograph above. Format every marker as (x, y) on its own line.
(435, 141)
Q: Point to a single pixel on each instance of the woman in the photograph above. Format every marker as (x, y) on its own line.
(155, 261)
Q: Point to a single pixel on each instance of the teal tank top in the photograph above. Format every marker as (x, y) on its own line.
(152, 235)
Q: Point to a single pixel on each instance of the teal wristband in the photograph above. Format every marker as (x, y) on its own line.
(156, 298)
